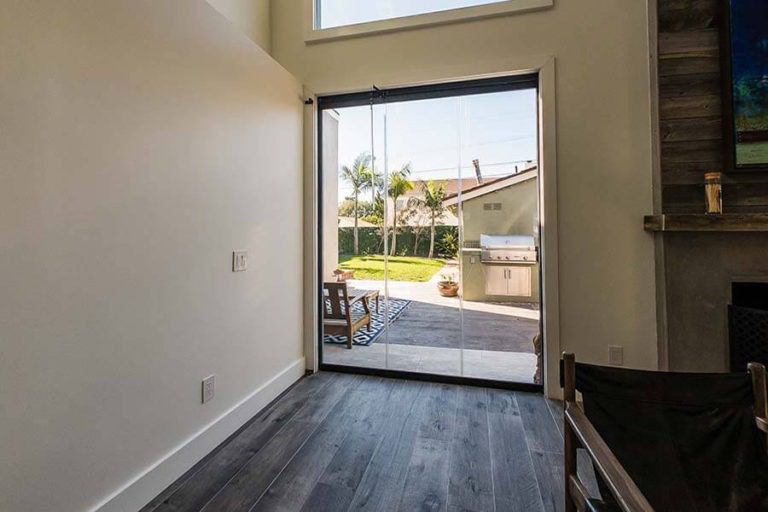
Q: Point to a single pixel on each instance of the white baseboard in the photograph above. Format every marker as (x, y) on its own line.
(151, 482)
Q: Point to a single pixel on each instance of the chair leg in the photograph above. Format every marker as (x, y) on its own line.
(570, 466)
(760, 387)
(569, 395)
(350, 334)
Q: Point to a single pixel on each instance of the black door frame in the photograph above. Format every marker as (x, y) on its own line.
(401, 94)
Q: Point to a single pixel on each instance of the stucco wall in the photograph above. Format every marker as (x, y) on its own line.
(518, 214)
(331, 194)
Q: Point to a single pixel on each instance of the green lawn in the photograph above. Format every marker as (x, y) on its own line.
(401, 268)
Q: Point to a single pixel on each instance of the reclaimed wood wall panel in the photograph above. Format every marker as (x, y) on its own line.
(700, 84)
(690, 112)
(686, 15)
(686, 129)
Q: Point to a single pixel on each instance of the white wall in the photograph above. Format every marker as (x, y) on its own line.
(140, 143)
(603, 127)
(331, 194)
(250, 16)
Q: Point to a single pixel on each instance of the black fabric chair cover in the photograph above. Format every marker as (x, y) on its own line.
(689, 441)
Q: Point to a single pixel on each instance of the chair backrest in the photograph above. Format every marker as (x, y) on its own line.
(689, 441)
(337, 301)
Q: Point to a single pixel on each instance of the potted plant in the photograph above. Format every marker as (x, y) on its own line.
(448, 287)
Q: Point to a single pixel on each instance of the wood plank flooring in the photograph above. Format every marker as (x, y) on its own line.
(339, 442)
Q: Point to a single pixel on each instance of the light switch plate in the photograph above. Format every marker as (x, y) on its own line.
(239, 261)
(209, 388)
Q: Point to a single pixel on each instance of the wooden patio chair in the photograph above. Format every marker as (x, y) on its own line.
(339, 318)
(666, 442)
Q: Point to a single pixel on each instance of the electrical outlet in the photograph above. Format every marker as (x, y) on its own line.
(209, 388)
(239, 261)
(616, 355)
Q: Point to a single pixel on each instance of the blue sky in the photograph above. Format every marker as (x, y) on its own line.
(437, 135)
(346, 12)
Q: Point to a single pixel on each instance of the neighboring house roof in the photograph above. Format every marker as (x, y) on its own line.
(349, 222)
(425, 219)
(422, 217)
(452, 186)
(491, 186)
(469, 189)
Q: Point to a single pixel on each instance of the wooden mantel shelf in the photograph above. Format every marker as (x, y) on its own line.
(701, 222)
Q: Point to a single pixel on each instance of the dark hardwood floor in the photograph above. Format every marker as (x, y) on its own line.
(338, 442)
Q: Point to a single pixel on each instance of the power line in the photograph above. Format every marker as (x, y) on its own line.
(496, 164)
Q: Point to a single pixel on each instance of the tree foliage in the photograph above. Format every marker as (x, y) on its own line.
(361, 177)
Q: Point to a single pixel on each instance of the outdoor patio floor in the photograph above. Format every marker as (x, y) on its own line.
(427, 337)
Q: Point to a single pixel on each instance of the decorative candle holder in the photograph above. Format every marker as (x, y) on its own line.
(713, 188)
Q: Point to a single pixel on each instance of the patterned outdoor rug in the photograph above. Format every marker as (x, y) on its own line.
(365, 338)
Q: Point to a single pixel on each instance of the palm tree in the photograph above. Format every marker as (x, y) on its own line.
(398, 186)
(361, 177)
(434, 195)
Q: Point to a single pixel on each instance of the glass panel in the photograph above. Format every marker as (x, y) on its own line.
(421, 160)
(337, 13)
(352, 226)
(499, 214)
(377, 255)
(431, 221)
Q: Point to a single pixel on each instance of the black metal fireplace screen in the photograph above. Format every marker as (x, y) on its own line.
(748, 332)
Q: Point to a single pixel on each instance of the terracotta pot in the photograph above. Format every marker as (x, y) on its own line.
(448, 288)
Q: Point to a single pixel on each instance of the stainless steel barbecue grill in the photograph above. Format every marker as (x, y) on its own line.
(508, 249)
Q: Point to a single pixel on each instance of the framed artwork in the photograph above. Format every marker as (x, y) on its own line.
(744, 47)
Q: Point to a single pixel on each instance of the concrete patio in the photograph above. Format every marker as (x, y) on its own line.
(430, 335)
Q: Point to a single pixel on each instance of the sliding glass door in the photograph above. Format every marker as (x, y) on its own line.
(498, 208)
(429, 208)
(422, 142)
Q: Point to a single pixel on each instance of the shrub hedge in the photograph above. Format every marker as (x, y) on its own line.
(370, 240)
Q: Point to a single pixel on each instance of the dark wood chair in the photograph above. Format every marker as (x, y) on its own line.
(339, 318)
(662, 441)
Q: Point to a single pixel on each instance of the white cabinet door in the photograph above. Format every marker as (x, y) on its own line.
(495, 279)
(519, 281)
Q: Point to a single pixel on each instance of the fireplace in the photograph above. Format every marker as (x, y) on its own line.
(701, 270)
(748, 324)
